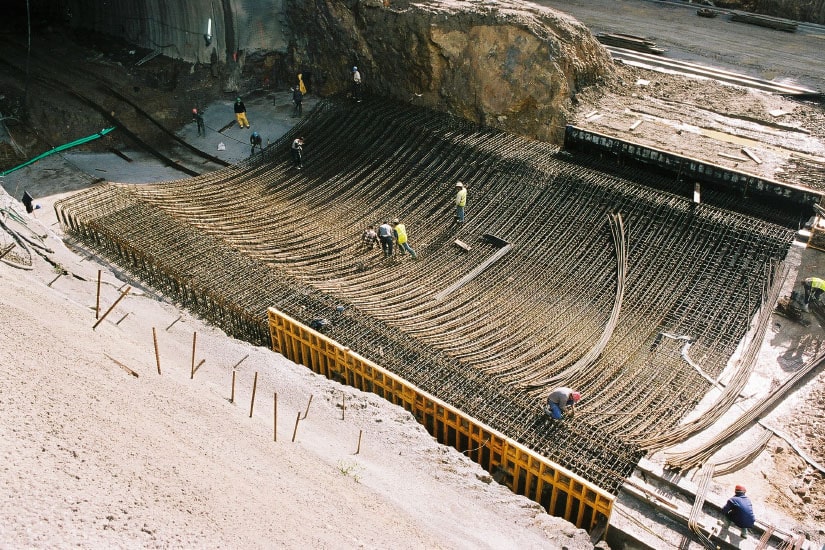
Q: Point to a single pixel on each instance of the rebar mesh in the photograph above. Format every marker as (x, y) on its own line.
(229, 244)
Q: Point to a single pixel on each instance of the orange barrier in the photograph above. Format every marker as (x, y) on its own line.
(559, 491)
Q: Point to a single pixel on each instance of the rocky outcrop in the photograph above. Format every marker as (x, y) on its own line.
(512, 66)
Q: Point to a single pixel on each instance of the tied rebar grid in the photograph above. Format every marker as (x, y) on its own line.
(229, 244)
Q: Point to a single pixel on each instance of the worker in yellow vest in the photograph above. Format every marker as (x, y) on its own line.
(460, 201)
(814, 287)
(399, 231)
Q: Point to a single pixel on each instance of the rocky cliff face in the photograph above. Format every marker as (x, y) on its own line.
(513, 66)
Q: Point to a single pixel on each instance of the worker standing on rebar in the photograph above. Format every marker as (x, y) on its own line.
(298, 153)
(814, 287)
(197, 116)
(255, 141)
(356, 84)
(385, 236)
(460, 201)
(399, 232)
(559, 400)
(240, 113)
(739, 510)
(369, 238)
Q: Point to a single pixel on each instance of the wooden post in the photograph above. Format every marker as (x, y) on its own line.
(295, 431)
(194, 340)
(173, 322)
(343, 404)
(307, 411)
(275, 418)
(358, 450)
(56, 278)
(108, 311)
(232, 398)
(157, 354)
(239, 363)
(122, 318)
(254, 387)
(97, 302)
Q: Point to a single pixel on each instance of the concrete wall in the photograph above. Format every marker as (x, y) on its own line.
(177, 27)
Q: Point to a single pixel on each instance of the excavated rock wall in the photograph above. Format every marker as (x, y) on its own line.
(516, 67)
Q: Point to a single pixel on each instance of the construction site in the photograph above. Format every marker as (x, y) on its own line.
(643, 276)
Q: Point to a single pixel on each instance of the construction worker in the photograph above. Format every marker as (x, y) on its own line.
(460, 202)
(385, 236)
(369, 238)
(738, 509)
(298, 100)
(399, 232)
(298, 153)
(240, 113)
(197, 116)
(559, 400)
(356, 84)
(814, 287)
(255, 141)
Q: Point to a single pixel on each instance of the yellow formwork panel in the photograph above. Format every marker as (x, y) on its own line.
(561, 492)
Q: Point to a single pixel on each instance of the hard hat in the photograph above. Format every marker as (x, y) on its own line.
(575, 396)
(237, 99)
(396, 221)
(354, 69)
(255, 134)
(195, 111)
(740, 489)
(459, 184)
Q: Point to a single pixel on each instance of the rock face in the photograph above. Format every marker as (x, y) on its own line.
(516, 67)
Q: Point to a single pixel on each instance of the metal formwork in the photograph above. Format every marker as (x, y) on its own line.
(232, 243)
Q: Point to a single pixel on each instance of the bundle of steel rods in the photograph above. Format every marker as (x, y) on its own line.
(231, 243)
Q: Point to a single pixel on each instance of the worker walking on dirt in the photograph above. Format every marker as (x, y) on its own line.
(297, 99)
(738, 509)
(240, 113)
(255, 141)
(399, 232)
(298, 153)
(814, 287)
(559, 400)
(460, 202)
(386, 238)
(197, 116)
(369, 238)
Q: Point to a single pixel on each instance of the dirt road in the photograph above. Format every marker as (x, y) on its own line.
(755, 51)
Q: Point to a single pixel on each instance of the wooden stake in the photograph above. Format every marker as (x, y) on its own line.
(275, 418)
(199, 365)
(53, 280)
(232, 398)
(122, 318)
(97, 302)
(307, 411)
(239, 362)
(254, 387)
(194, 341)
(157, 354)
(173, 322)
(121, 365)
(108, 311)
(343, 404)
(358, 450)
(295, 431)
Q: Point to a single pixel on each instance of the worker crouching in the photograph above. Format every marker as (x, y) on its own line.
(559, 401)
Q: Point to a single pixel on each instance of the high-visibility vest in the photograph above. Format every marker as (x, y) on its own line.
(461, 197)
(816, 282)
(301, 84)
(401, 231)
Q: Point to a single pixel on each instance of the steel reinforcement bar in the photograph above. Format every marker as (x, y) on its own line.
(559, 491)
